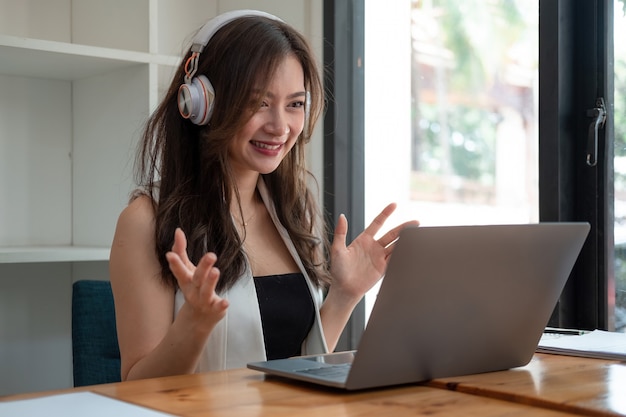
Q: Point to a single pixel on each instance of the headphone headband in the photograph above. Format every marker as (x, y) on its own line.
(205, 34)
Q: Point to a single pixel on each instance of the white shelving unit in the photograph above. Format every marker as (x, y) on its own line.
(78, 79)
(70, 117)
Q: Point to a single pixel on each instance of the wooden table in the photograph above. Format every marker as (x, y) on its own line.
(548, 386)
(565, 383)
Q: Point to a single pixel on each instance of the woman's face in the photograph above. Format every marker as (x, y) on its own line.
(271, 132)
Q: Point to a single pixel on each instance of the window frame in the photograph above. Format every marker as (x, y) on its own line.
(344, 130)
(575, 68)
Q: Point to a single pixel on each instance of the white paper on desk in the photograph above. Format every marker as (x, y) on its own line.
(596, 344)
(76, 404)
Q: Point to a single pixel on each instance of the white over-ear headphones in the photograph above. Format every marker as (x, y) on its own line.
(196, 95)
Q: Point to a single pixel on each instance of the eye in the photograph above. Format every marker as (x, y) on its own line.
(297, 104)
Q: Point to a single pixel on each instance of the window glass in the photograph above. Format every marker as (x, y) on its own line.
(451, 111)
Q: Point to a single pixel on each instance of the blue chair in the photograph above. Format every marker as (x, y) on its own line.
(95, 350)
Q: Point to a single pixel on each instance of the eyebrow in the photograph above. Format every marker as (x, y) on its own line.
(290, 96)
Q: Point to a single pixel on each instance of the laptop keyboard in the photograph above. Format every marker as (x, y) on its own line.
(335, 372)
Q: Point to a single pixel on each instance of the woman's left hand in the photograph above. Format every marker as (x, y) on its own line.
(358, 267)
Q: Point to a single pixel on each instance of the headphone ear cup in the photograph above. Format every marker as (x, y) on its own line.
(195, 100)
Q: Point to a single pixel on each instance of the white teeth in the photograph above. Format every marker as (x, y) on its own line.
(266, 146)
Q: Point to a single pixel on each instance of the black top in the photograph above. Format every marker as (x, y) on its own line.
(287, 313)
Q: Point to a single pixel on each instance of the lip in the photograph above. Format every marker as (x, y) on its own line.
(268, 145)
(269, 148)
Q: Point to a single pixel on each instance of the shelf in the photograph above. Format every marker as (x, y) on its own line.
(28, 254)
(66, 61)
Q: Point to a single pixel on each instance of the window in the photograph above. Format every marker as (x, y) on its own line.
(481, 112)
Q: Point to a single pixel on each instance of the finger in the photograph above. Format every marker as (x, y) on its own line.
(180, 246)
(380, 220)
(205, 271)
(208, 288)
(209, 283)
(392, 235)
(340, 234)
(182, 274)
(180, 241)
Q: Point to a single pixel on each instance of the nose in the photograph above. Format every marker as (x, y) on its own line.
(277, 123)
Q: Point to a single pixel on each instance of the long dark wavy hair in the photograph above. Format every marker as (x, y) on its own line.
(185, 169)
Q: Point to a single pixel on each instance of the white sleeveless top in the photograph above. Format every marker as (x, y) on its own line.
(238, 338)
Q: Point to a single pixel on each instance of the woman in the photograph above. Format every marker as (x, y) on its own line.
(220, 257)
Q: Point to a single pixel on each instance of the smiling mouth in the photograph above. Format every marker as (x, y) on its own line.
(267, 146)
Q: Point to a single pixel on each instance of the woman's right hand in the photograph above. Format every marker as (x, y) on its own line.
(197, 283)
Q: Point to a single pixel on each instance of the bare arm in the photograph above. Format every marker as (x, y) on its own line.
(153, 343)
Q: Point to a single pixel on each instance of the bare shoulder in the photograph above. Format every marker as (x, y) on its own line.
(134, 235)
(135, 222)
(139, 213)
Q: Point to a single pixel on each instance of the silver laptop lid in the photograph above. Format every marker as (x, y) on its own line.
(465, 299)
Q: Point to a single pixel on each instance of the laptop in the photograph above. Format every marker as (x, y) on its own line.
(455, 300)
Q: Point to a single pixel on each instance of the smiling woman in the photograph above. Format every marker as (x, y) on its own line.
(223, 246)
